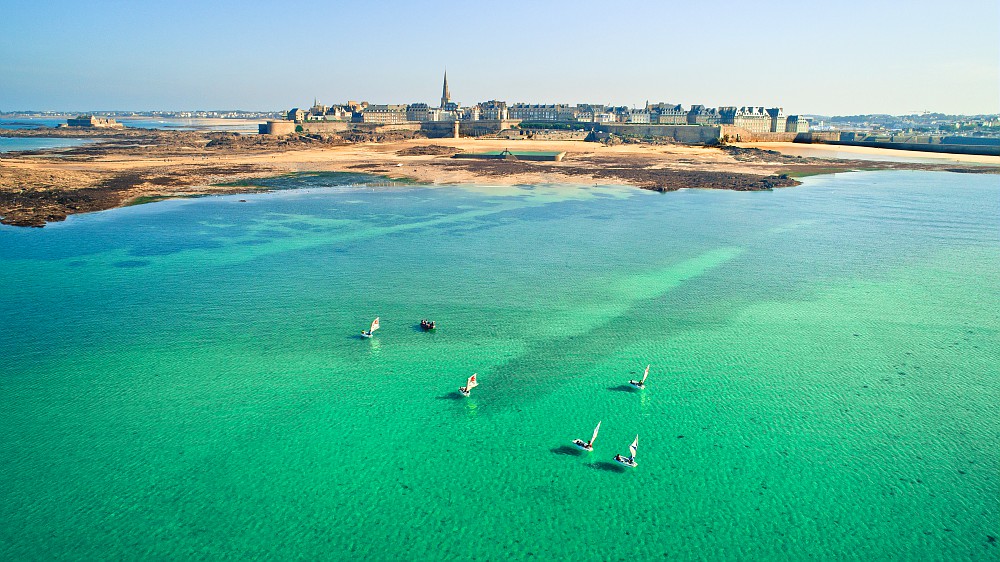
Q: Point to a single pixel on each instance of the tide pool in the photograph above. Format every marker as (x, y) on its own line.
(186, 379)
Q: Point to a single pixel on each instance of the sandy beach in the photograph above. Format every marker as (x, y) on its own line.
(131, 167)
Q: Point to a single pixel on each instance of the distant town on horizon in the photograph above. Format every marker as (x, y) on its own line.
(496, 117)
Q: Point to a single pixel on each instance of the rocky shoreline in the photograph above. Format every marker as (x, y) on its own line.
(616, 171)
(130, 166)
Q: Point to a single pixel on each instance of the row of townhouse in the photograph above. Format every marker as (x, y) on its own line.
(763, 120)
(756, 119)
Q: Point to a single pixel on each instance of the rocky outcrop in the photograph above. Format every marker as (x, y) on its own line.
(429, 150)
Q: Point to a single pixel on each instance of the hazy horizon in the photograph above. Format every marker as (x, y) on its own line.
(849, 59)
(56, 111)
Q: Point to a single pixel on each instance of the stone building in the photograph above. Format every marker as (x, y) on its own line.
(445, 92)
(317, 112)
(701, 115)
(778, 119)
(448, 106)
(338, 113)
(438, 114)
(355, 106)
(637, 116)
(796, 124)
(588, 113)
(493, 110)
(567, 113)
(276, 127)
(535, 112)
(752, 118)
(667, 114)
(384, 114)
(90, 121)
(418, 112)
(470, 113)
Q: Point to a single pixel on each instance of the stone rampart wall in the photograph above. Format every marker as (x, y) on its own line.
(731, 133)
(543, 134)
(288, 127)
(688, 134)
(446, 129)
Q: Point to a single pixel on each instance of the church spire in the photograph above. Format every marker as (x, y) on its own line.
(445, 94)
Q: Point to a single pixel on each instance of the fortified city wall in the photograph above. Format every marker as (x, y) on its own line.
(688, 134)
(739, 134)
(544, 134)
(433, 129)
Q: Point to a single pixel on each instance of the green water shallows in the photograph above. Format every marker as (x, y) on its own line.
(185, 380)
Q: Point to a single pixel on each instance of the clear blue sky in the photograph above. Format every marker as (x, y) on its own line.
(835, 57)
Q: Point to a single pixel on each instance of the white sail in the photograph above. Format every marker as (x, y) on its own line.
(634, 446)
(644, 375)
(596, 429)
(374, 325)
(472, 382)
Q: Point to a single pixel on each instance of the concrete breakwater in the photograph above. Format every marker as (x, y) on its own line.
(982, 146)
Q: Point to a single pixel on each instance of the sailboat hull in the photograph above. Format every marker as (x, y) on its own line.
(465, 393)
(366, 334)
(626, 461)
(638, 384)
(580, 444)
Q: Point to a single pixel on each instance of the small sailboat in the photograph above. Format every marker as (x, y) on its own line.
(469, 385)
(371, 330)
(630, 460)
(641, 384)
(589, 445)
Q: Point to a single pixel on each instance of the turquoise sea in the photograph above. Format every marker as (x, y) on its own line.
(186, 380)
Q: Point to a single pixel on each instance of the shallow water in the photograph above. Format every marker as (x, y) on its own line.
(185, 379)
(11, 144)
(176, 124)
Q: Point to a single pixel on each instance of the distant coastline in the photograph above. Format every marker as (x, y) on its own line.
(44, 123)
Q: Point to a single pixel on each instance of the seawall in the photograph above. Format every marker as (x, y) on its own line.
(980, 150)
